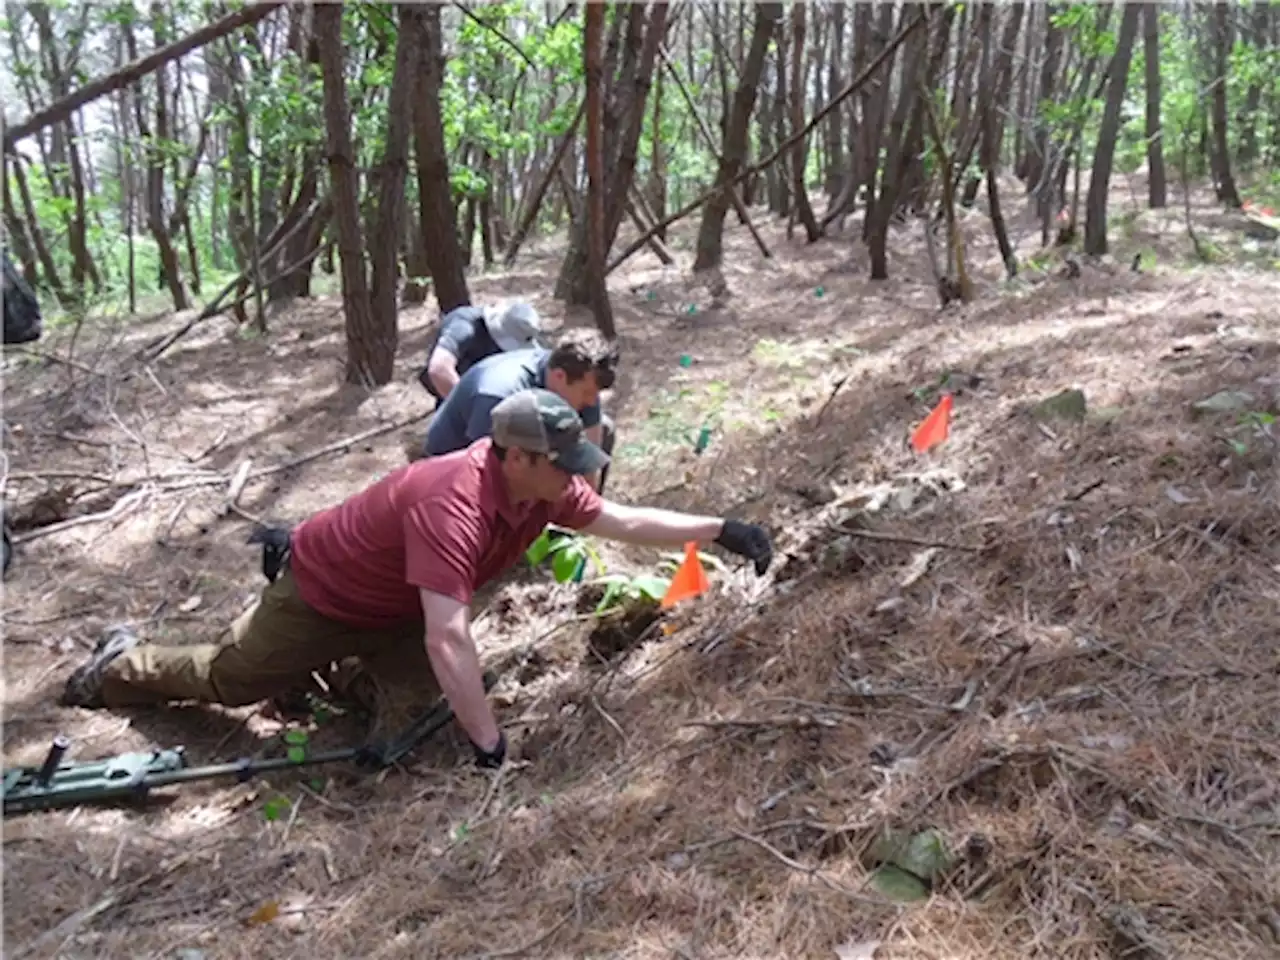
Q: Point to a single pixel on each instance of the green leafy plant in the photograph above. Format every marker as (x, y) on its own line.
(1253, 425)
(276, 807)
(622, 591)
(297, 741)
(568, 553)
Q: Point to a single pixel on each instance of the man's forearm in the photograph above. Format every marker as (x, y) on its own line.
(444, 377)
(654, 527)
(457, 669)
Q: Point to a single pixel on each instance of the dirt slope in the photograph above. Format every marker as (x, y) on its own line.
(1050, 640)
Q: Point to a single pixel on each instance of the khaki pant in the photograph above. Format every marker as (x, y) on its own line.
(271, 649)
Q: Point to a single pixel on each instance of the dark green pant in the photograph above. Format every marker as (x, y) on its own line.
(271, 649)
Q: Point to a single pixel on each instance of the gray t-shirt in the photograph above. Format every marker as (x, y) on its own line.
(467, 413)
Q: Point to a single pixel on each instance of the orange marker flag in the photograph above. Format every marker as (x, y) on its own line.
(690, 579)
(935, 427)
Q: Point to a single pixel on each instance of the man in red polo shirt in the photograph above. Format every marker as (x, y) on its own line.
(387, 577)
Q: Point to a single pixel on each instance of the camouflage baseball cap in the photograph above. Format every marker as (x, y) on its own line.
(539, 421)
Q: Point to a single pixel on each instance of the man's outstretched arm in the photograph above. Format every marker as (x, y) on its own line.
(457, 668)
(442, 368)
(654, 527)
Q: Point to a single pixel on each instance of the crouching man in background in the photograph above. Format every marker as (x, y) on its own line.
(386, 578)
(580, 366)
(467, 335)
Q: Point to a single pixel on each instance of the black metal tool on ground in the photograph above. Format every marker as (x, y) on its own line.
(132, 776)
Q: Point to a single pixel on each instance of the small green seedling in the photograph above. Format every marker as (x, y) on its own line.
(568, 553)
(276, 807)
(621, 590)
(297, 741)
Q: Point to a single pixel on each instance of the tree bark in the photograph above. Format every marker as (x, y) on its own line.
(1157, 189)
(1095, 223)
(1227, 192)
(710, 234)
(593, 33)
(384, 243)
(624, 96)
(799, 154)
(435, 195)
(368, 354)
(904, 129)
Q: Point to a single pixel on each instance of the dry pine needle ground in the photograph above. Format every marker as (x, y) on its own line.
(1076, 685)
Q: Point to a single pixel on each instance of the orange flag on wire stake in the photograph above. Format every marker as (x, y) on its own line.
(935, 427)
(690, 580)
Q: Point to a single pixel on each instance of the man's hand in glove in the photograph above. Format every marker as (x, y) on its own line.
(492, 759)
(747, 540)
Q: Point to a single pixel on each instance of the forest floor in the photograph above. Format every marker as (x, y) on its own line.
(1014, 697)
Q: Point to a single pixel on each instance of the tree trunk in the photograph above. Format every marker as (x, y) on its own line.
(43, 254)
(624, 97)
(369, 355)
(1095, 223)
(1157, 191)
(1227, 192)
(435, 195)
(875, 110)
(593, 33)
(710, 232)
(799, 154)
(384, 242)
(657, 171)
(904, 130)
(837, 167)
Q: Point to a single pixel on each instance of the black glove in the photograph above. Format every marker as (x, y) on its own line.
(493, 759)
(747, 540)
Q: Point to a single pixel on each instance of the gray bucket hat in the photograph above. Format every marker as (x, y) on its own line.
(513, 324)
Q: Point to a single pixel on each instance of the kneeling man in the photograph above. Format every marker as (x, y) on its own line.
(387, 577)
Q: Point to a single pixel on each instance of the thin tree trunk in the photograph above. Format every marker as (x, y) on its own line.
(51, 277)
(657, 171)
(435, 195)
(710, 233)
(540, 192)
(1227, 192)
(366, 353)
(1157, 191)
(384, 242)
(1095, 223)
(799, 153)
(593, 33)
(738, 203)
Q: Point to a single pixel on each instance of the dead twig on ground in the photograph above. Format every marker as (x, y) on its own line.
(908, 540)
(822, 411)
(118, 510)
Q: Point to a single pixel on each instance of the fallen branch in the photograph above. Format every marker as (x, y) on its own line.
(214, 307)
(811, 872)
(335, 447)
(61, 109)
(119, 508)
(909, 541)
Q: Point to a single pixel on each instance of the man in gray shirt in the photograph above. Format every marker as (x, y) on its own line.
(467, 334)
(578, 368)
